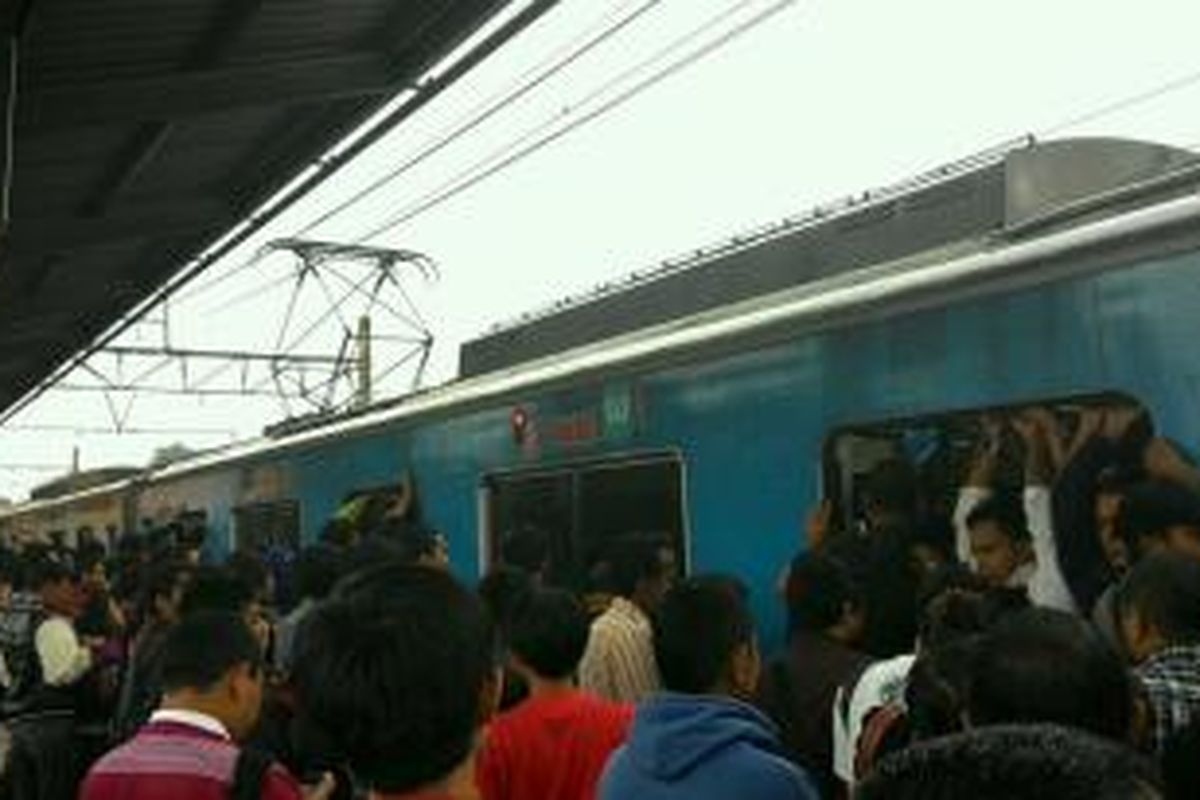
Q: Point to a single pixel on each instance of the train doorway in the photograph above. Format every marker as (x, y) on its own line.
(584, 509)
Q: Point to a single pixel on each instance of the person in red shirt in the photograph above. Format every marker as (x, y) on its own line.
(395, 674)
(556, 743)
(212, 680)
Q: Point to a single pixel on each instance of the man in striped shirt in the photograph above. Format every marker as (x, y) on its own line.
(619, 661)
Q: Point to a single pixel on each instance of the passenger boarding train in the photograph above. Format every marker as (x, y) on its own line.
(717, 400)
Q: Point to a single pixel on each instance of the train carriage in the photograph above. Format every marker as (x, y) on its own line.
(1052, 274)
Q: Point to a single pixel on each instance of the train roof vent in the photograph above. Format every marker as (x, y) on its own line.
(1044, 179)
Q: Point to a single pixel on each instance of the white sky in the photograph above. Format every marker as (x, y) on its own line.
(827, 98)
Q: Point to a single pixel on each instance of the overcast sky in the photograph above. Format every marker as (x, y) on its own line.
(826, 98)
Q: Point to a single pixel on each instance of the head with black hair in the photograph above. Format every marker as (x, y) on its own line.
(55, 584)
(823, 598)
(548, 637)
(504, 592)
(1040, 665)
(225, 590)
(163, 592)
(999, 537)
(408, 541)
(1159, 515)
(956, 603)
(395, 673)
(1008, 762)
(889, 494)
(1159, 604)
(212, 664)
(527, 547)
(938, 685)
(641, 568)
(704, 639)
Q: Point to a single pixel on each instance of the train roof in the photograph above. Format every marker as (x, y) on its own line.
(1111, 227)
(1017, 187)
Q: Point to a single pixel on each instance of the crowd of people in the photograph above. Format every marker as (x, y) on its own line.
(1040, 639)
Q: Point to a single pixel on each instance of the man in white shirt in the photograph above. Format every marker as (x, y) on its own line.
(1009, 541)
(63, 658)
(46, 753)
(619, 661)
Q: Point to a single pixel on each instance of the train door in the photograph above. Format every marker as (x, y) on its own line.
(585, 508)
(269, 526)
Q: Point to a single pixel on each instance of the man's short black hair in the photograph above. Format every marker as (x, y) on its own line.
(45, 570)
(505, 591)
(1041, 665)
(161, 581)
(1164, 590)
(204, 647)
(1149, 509)
(891, 486)
(635, 558)
(550, 633)
(1006, 512)
(216, 589)
(527, 547)
(818, 590)
(390, 673)
(700, 624)
(1007, 762)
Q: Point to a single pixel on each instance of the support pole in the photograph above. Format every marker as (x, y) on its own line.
(362, 397)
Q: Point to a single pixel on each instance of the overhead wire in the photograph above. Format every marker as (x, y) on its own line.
(517, 151)
(553, 65)
(1124, 104)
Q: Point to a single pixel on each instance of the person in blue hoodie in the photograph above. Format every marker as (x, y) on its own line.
(701, 739)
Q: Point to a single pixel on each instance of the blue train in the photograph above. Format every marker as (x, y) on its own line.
(716, 401)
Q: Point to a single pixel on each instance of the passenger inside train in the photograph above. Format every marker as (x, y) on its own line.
(1011, 594)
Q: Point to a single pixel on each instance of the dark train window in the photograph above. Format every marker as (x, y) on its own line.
(583, 508)
(939, 447)
(259, 527)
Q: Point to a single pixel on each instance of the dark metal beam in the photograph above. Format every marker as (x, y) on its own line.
(15, 16)
(186, 94)
(221, 37)
(60, 235)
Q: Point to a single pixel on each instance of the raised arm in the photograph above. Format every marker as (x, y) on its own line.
(977, 486)
(1073, 504)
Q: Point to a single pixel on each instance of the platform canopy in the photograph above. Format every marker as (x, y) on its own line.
(142, 131)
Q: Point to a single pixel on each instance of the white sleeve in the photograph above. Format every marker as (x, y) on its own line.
(843, 747)
(968, 498)
(1047, 586)
(64, 660)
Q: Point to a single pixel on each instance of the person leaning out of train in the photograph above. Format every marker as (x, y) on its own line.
(1008, 539)
(1115, 453)
(618, 663)
(701, 739)
(1154, 516)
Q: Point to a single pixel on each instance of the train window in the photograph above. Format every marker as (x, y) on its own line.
(259, 527)
(939, 448)
(585, 507)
